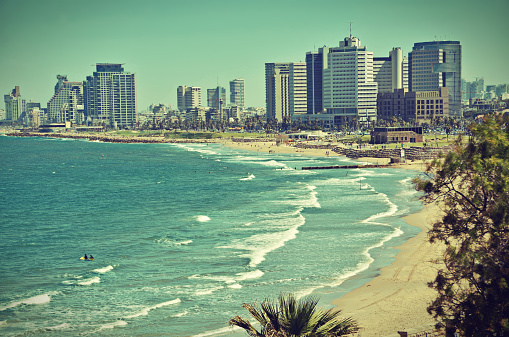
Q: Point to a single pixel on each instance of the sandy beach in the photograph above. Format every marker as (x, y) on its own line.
(397, 299)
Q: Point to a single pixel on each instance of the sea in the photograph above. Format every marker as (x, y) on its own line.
(182, 234)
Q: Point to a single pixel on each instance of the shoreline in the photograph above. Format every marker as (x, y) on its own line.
(396, 297)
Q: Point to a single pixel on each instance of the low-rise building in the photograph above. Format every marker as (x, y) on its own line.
(397, 135)
(418, 106)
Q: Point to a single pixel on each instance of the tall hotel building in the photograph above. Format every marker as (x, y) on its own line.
(110, 96)
(215, 97)
(348, 89)
(237, 93)
(14, 105)
(188, 97)
(67, 104)
(285, 90)
(391, 72)
(437, 64)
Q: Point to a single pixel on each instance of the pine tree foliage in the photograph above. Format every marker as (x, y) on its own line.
(472, 185)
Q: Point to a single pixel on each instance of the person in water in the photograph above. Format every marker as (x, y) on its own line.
(86, 257)
(91, 257)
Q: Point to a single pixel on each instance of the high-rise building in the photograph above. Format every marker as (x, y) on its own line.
(276, 91)
(15, 106)
(285, 90)
(391, 72)
(237, 93)
(60, 82)
(188, 97)
(437, 64)
(215, 97)
(67, 104)
(110, 96)
(314, 77)
(297, 89)
(349, 90)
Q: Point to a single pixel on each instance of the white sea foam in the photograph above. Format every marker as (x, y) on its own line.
(145, 311)
(195, 148)
(181, 314)
(217, 332)
(202, 218)
(235, 286)
(40, 299)
(250, 177)
(58, 327)
(89, 281)
(103, 270)
(172, 243)
(207, 291)
(110, 326)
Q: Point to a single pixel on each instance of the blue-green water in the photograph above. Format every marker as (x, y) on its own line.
(182, 235)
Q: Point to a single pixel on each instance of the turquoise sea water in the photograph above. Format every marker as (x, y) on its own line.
(182, 235)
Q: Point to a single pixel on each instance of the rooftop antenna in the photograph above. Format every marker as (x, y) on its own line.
(350, 29)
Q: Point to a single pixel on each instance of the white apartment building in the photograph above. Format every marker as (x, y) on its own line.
(188, 97)
(110, 96)
(237, 93)
(349, 90)
(297, 88)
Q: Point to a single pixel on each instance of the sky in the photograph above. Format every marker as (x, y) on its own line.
(168, 43)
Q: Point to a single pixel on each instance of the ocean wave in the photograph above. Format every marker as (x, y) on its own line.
(90, 281)
(173, 243)
(195, 148)
(207, 291)
(39, 299)
(202, 218)
(83, 282)
(145, 311)
(310, 201)
(110, 326)
(393, 208)
(259, 245)
(230, 279)
(103, 270)
(58, 327)
(250, 177)
(217, 332)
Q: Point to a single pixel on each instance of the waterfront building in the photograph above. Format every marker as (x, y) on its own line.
(60, 82)
(349, 91)
(391, 72)
(276, 91)
(285, 90)
(314, 77)
(15, 106)
(110, 96)
(414, 106)
(237, 93)
(2, 115)
(67, 104)
(297, 88)
(216, 97)
(437, 64)
(188, 97)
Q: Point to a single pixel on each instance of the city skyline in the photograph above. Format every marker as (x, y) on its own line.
(204, 44)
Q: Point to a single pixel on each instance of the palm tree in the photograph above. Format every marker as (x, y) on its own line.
(291, 317)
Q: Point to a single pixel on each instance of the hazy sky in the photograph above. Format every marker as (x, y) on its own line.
(205, 43)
